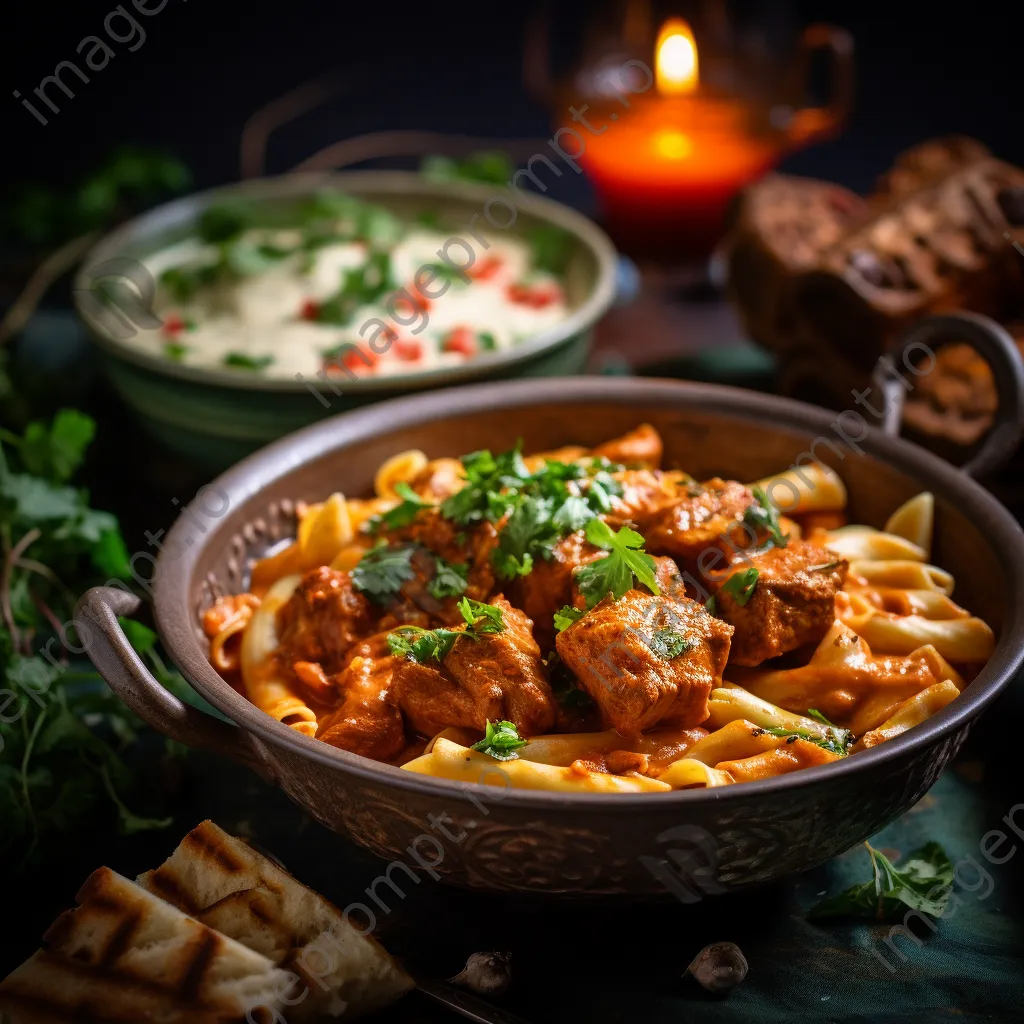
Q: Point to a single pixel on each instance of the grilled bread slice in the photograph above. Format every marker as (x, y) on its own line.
(226, 884)
(125, 957)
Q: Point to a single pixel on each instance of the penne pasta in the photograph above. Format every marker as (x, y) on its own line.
(913, 521)
(448, 760)
(813, 488)
(399, 469)
(785, 758)
(262, 677)
(688, 773)
(898, 572)
(911, 712)
(860, 542)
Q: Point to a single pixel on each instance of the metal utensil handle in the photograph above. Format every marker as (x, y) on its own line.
(995, 345)
(464, 1004)
(96, 623)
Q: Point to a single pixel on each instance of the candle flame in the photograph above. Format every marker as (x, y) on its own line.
(675, 59)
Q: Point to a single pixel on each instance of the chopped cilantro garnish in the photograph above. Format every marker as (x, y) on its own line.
(449, 579)
(401, 515)
(763, 515)
(382, 570)
(566, 616)
(359, 286)
(175, 350)
(528, 535)
(241, 361)
(739, 586)
(423, 644)
(668, 644)
(501, 741)
(486, 340)
(614, 573)
(835, 740)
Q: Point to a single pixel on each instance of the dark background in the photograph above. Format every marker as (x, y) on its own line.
(923, 68)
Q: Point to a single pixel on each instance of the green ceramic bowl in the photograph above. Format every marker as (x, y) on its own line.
(213, 417)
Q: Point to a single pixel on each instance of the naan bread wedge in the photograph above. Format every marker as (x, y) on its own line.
(123, 956)
(226, 884)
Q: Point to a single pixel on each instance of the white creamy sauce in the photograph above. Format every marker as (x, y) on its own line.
(265, 317)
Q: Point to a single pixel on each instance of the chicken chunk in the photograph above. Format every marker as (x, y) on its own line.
(646, 659)
(705, 517)
(792, 602)
(323, 619)
(498, 676)
(366, 721)
(455, 544)
(549, 586)
(641, 446)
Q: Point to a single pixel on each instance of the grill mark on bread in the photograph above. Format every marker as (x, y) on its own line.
(169, 889)
(205, 845)
(200, 961)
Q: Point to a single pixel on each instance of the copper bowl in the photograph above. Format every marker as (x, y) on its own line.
(689, 844)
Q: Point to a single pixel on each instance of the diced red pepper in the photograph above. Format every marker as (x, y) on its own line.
(174, 324)
(409, 350)
(461, 340)
(310, 310)
(352, 359)
(486, 269)
(536, 297)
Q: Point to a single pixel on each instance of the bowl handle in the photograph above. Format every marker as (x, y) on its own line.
(893, 377)
(97, 626)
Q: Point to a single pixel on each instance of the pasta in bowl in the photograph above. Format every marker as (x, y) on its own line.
(274, 516)
(590, 620)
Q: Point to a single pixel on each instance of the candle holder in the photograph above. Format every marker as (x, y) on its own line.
(671, 112)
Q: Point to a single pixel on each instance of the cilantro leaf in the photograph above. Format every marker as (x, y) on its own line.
(614, 573)
(834, 739)
(573, 514)
(382, 571)
(241, 361)
(501, 741)
(422, 645)
(739, 586)
(529, 534)
(566, 616)
(449, 579)
(401, 515)
(923, 882)
(763, 515)
(668, 644)
(56, 452)
(359, 286)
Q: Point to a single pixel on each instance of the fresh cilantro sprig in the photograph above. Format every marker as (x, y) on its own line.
(923, 882)
(423, 645)
(449, 579)
(763, 515)
(501, 741)
(383, 570)
(834, 740)
(402, 514)
(62, 731)
(614, 574)
(740, 586)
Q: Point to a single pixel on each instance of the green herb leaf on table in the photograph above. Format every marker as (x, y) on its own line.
(383, 570)
(501, 741)
(923, 882)
(763, 515)
(614, 574)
